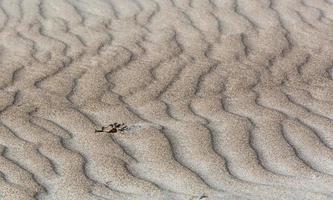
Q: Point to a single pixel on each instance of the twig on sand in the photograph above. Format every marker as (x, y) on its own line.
(203, 196)
(113, 128)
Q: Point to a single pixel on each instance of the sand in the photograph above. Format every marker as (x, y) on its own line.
(223, 99)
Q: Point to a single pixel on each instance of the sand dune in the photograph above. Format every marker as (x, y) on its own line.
(223, 99)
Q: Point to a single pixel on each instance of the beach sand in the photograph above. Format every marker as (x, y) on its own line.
(222, 99)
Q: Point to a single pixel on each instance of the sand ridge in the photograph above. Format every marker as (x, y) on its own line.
(224, 99)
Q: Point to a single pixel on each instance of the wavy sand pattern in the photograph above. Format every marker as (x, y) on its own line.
(225, 99)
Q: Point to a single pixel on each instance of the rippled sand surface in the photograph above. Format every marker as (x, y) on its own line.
(223, 99)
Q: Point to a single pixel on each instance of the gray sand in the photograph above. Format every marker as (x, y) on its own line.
(223, 99)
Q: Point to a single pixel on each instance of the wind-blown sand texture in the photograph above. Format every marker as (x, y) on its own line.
(224, 99)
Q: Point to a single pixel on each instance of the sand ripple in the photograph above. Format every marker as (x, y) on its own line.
(224, 99)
